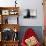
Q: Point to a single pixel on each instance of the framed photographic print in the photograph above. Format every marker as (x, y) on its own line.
(5, 12)
(13, 12)
(30, 13)
(33, 12)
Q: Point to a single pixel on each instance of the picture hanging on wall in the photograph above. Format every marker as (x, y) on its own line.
(5, 12)
(30, 13)
(33, 12)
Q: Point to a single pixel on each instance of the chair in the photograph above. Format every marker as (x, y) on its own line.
(29, 33)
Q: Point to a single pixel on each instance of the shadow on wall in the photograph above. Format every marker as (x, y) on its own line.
(37, 29)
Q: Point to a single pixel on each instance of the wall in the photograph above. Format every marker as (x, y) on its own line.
(7, 3)
(32, 4)
(24, 4)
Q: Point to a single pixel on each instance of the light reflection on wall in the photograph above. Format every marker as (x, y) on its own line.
(10, 3)
(7, 3)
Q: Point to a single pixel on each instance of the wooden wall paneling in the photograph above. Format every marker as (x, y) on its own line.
(44, 8)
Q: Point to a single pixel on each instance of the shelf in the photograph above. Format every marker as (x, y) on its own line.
(9, 10)
(11, 15)
(5, 8)
(10, 19)
(7, 16)
(11, 41)
(10, 26)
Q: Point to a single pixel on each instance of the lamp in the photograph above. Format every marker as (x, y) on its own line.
(15, 3)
